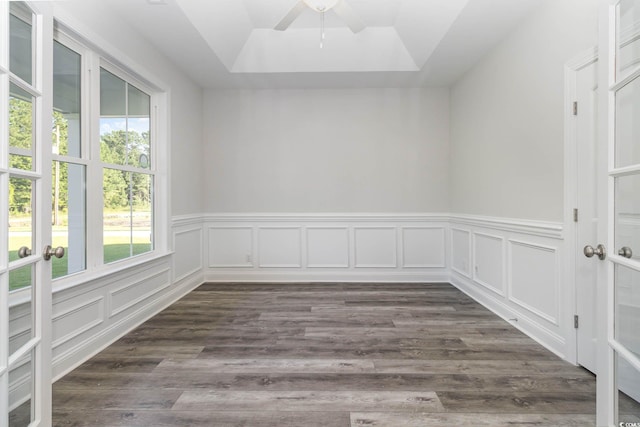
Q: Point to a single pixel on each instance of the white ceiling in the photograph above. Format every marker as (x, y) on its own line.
(406, 43)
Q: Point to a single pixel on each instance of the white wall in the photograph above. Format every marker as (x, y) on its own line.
(313, 151)
(507, 117)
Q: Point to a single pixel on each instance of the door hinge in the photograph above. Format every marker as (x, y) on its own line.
(575, 108)
(576, 322)
(575, 215)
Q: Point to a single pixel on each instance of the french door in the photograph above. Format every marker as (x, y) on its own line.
(26, 40)
(618, 389)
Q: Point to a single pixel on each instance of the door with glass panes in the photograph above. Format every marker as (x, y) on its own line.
(26, 253)
(618, 248)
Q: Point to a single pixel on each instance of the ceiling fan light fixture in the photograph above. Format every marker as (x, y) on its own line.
(321, 5)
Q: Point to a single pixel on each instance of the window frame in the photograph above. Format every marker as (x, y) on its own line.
(151, 171)
(93, 57)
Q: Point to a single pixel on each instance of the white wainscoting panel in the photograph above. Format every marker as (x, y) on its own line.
(337, 247)
(489, 262)
(514, 270)
(423, 247)
(280, 247)
(460, 251)
(230, 247)
(127, 296)
(74, 321)
(376, 247)
(187, 253)
(534, 279)
(327, 247)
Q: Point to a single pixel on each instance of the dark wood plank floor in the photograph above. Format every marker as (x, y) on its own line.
(325, 355)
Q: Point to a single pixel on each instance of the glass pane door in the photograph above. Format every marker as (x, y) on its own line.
(623, 311)
(25, 201)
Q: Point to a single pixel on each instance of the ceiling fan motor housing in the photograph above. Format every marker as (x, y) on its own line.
(321, 5)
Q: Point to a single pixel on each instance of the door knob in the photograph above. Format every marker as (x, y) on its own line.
(600, 250)
(626, 252)
(24, 252)
(49, 252)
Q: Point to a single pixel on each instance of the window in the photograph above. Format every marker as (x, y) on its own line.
(68, 168)
(125, 149)
(104, 170)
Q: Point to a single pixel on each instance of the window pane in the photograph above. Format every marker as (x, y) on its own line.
(20, 42)
(142, 222)
(66, 101)
(20, 128)
(138, 127)
(20, 277)
(627, 43)
(127, 215)
(627, 308)
(628, 381)
(21, 384)
(113, 120)
(627, 121)
(124, 122)
(113, 95)
(20, 218)
(69, 212)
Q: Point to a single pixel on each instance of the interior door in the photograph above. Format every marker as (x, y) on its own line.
(25, 205)
(618, 390)
(587, 215)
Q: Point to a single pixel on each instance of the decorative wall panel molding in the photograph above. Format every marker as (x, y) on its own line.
(124, 297)
(461, 251)
(230, 246)
(330, 247)
(514, 270)
(534, 279)
(73, 322)
(423, 247)
(375, 247)
(280, 247)
(489, 262)
(187, 256)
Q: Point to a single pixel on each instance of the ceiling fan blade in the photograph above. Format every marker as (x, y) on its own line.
(291, 16)
(346, 13)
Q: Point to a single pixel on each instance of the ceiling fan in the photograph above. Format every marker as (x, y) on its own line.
(340, 7)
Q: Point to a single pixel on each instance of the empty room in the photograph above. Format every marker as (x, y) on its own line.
(319, 213)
